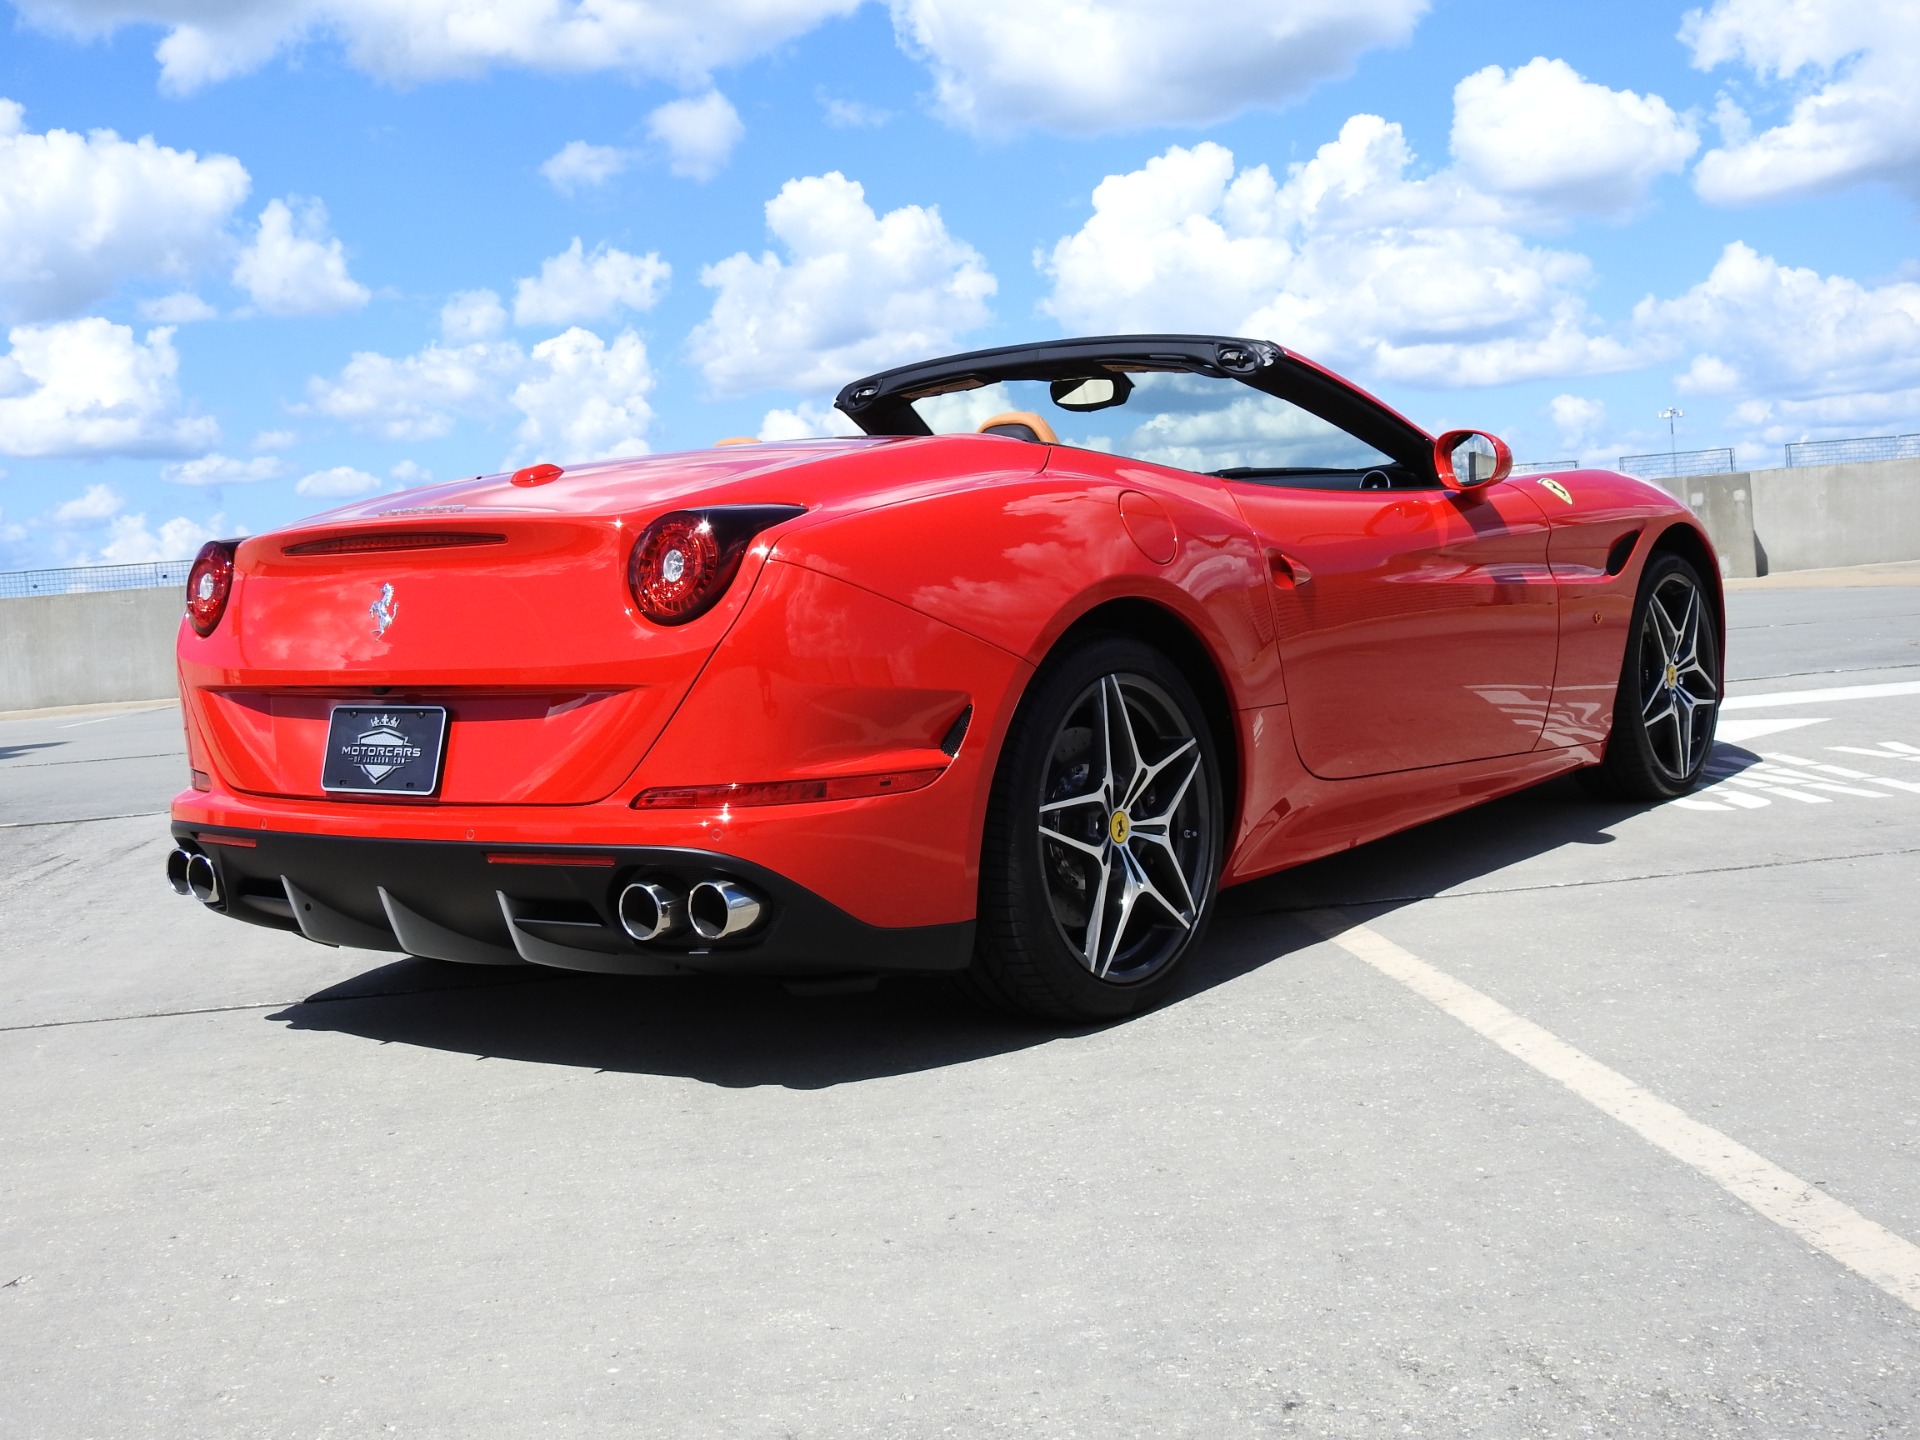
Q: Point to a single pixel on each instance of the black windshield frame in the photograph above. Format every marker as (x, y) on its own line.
(882, 404)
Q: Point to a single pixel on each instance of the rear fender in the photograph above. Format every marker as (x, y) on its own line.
(1018, 564)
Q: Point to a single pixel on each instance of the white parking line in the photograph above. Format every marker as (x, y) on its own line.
(1733, 732)
(1871, 1251)
(1819, 697)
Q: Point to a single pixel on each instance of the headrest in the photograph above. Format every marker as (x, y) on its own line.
(1020, 425)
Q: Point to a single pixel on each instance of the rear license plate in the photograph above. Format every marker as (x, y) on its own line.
(384, 749)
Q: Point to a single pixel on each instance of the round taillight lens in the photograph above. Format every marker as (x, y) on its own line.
(677, 570)
(208, 585)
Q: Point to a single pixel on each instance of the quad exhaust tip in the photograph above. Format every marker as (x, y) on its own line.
(720, 909)
(649, 912)
(191, 874)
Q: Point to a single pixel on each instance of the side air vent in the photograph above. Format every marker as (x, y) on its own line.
(1621, 552)
(957, 731)
(385, 542)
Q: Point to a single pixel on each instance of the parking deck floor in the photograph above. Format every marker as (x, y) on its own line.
(256, 1187)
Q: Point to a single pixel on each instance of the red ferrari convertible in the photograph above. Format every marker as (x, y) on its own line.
(1076, 634)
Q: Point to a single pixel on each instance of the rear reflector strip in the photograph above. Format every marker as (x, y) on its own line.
(238, 842)
(379, 542)
(786, 792)
(591, 862)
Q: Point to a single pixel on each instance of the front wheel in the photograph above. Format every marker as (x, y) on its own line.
(1102, 849)
(1670, 683)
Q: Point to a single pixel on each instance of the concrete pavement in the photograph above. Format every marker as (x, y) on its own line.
(257, 1187)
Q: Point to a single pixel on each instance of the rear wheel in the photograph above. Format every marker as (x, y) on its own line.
(1669, 695)
(1103, 837)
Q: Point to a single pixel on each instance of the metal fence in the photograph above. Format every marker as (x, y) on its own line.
(15, 584)
(1671, 464)
(1864, 447)
(1542, 467)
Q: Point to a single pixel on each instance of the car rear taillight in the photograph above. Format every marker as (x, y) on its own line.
(208, 585)
(683, 562)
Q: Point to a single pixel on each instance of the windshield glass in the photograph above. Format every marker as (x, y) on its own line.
(1194, 422)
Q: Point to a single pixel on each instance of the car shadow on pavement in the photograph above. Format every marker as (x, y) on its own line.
(741, 1033)
(727, 1032)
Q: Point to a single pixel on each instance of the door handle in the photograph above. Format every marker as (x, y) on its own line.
(1288, 573)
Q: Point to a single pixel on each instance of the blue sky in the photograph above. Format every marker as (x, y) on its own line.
(258, 256)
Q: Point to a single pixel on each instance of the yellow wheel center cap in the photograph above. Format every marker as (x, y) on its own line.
(1673, 676)
(1120, 827)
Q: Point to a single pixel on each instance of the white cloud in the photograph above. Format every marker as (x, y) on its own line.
(409, 472)
(181, 308)
(211, 470)
(294, 268)
(851, 114)
(1543, 133)
(98, 505)
(809, 420)
(579, 166)
(584, 399)
(81, 213)
(1853, 68)
(578, 397)
(1578, 419)
(699, 134)
(575, 286)
(88, 387)
(130, 542)
(1707, 375)
(340, 480)
(1348, 259)
(409, 40)
(275, 440)
(472, 315)
(1795, 346)
(857, 292)
(418, 396)
(1003, 65)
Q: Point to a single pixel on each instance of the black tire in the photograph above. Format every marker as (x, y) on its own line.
(1038, 951)
(1668, 700)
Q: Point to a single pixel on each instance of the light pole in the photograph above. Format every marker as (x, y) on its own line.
(1671, 414)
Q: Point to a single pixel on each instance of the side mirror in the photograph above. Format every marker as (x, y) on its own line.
(1097, 392)
(1469, 459)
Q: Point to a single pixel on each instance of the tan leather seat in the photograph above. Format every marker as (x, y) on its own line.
(1020, 425)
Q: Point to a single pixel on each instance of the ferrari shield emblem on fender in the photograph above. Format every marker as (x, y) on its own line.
(1554, 487)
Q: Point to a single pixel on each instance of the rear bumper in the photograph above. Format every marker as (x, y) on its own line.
(554, 905)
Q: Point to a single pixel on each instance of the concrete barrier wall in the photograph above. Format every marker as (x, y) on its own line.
(1813, 516)
(87, 649)
(1808, 517)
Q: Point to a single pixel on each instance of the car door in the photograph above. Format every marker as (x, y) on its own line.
(1417, 627)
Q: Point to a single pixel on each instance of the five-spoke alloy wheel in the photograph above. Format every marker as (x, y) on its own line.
(1670, 683)
(1103, 836)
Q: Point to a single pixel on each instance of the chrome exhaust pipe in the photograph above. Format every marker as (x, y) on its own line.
(177, 870)
(203, 881)
(648, 911)
(720, 909)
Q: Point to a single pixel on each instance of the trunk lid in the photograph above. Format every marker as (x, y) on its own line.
(505, 603)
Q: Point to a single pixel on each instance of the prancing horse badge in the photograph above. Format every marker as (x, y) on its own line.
(1556, 488)
(383, 611)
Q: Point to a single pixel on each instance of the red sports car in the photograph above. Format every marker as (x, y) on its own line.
(1074, 635)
